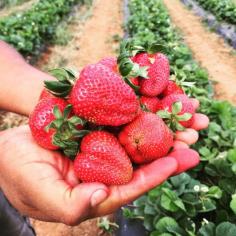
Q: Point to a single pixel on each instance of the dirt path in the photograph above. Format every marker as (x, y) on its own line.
(208, 48)
(93, 32)
(19, 8)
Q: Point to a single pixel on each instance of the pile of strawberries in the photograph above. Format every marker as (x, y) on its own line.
(114, 113)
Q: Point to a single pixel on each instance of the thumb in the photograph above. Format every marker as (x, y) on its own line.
(82, 199)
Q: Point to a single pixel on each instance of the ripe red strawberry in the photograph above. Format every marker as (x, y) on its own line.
(146, 138)
(45, 94)
(172, 88)
(53, 126)
(186, 107)
(102, 97)
(151, 103)
(43, 116)
(134, 81)
(103, 159)
(158, 73)
(110, 62)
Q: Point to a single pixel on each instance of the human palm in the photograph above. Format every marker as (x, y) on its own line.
(42, 184)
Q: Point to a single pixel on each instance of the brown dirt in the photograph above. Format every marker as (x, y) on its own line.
(18, 8)
(208, 49)
(93, 31)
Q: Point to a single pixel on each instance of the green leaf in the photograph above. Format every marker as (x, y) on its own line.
(184, 117)
(164, 114)
(75, 120)
(162, 225)
(233, 203)
(176, 107)
(214, 192)
(207, 229)
(226, 229)
(67, 111)
(56, 112)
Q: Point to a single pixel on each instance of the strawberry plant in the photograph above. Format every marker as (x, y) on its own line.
(201, 202)
(29, 31)
(224, 10)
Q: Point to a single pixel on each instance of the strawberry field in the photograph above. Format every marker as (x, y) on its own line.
(199, 202)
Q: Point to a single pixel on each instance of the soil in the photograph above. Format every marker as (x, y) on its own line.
(18, 8)
(208, 49)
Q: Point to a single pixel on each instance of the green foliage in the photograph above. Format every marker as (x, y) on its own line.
(224, 10)
(203, 201)
(31, 30)
(10, 3)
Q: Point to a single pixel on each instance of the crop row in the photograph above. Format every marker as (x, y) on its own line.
(29, 31)
(8, 3)
(201, 202)
(224, 10)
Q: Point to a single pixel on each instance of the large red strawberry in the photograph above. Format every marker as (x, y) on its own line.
(53, 127)
(150, 103)
(172, 88)
(103, 159)
(146, 138)
(102, 97)
(158, 73)
(110, 62)
(177, 109)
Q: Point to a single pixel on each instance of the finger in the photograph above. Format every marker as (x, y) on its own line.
(180, 145)
(200, 121)
(186, 159)
(195, 103)
(189, 136)
(144, 179)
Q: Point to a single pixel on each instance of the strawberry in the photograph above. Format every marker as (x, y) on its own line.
(172, 88)
(45, 94)
(53, 127)
(110, 62)
(158, 73)
(102, 159)
(150, 103)
(146, 138)
(43, 116)
(178, 110)
(102, 97)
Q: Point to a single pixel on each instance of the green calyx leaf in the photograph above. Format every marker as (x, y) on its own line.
(176, 108)
(126, 66)
(156, 47)
(65, 81)
(172, 119)
(67, 132)
(164, 114)
(186, 116)
(136, 88)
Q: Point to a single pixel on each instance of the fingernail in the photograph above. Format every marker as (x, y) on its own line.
(98, 197)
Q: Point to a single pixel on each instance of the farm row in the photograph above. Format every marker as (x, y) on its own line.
(200, 202)
(31, 30)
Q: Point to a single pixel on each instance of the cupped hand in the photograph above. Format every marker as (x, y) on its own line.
(42, 183)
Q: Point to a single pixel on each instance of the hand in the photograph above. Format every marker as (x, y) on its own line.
(190, 136)
(42, 184)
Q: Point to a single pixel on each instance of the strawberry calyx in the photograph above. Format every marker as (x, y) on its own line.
(64, 83)
(173, 118)
(127, 68)
(66, 132)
